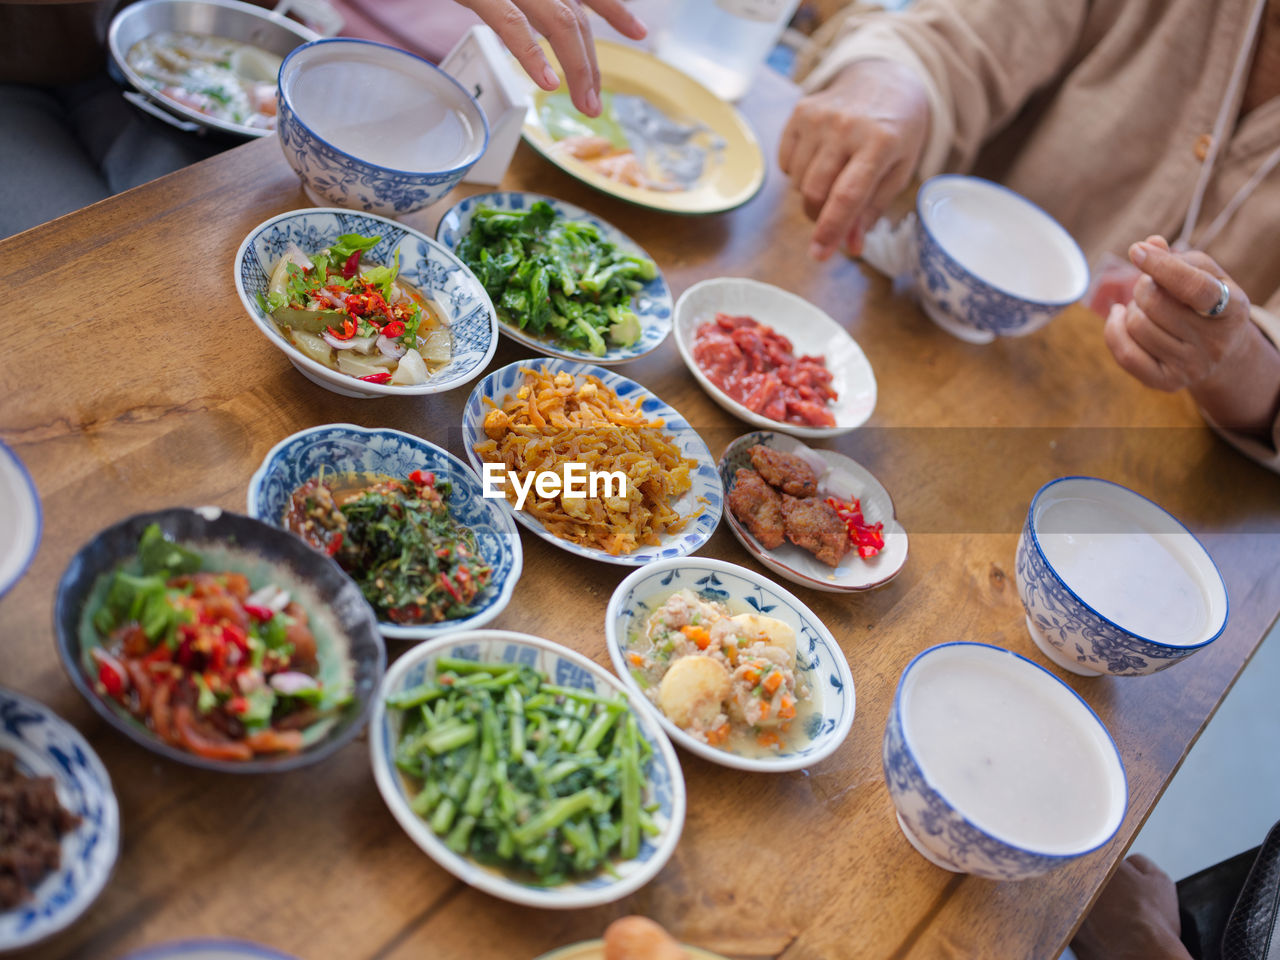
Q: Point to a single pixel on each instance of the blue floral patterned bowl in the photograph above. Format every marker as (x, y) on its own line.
(1112, 583)
(820, 663)
(664, 788)
(21, 519)
(429, 267)
(706, 497)
(990, 263)
(996, 767)
(48, 746)
(343, 448)
(652, 305)
(370, 127)
(209, 950)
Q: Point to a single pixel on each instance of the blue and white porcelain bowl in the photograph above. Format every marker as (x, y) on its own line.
(21, 520)
(343, 449)
(990, 263)
(664, 786)
(996, 767)
(370, 127)
(705, 497)
(652, 304)
(48, 746)
(209, 950)
(435, 272)
(1112, 583)
(820, 663)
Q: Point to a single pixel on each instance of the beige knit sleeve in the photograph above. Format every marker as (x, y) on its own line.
(980, 61)
(1267, 454)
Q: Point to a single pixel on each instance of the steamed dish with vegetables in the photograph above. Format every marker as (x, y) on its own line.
(557, 278)
(359, 320)
(224, 79)
(207, 661)
(412, 560)
(728, 680)
(545, 782)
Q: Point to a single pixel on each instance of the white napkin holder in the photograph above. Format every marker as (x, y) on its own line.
(483, 66)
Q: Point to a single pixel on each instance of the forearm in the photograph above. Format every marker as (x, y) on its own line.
(1244, 396)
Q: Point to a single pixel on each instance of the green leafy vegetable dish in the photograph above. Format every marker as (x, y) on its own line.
(555, 278)
(543, 781)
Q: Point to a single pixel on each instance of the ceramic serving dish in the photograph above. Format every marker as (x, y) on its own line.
(594, 950)
(810, 330)
(416, 132)
(343, 449)
(843, 478)
(664, 788)
(990, 263)
(1112, 583)
(820, 663)
(48, 746)
(425, 264)
(349, 647)
(209, 950)
(20, 519)
(705, 498)
(652, 304)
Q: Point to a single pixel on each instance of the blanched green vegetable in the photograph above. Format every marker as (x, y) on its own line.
(515, 772)
(555, 277)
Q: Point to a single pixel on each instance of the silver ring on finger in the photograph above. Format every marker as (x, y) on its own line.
(1224, 298)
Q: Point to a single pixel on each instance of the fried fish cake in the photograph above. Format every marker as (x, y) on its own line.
(813, 524)
(758, 506)
(787, 472)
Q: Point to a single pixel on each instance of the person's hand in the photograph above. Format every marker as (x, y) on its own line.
(564, 23)
(1163, 336)
(1135, 917)
(851, 147)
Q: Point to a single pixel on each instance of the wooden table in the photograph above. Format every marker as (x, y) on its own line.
(132, 380)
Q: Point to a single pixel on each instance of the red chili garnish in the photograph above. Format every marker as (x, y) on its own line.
(449, 588)
(383, 377)
(348, 330)
(259, 613)
(423, 478)
(334, 545)
(393, 329)
(867, 537)
(238, 705)
(236, 637)
(445, 681)
(110, 679)
(352, 266)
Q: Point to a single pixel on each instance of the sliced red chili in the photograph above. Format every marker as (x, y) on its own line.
(352, 266)
(348, 330)
(111, 681)
(393, 329)
(423, 478)
(259, 613)
(383, 377)
(334, 545)
(449, 588)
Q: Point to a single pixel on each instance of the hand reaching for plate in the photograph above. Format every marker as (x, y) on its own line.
(1188, 326)
(564, 23)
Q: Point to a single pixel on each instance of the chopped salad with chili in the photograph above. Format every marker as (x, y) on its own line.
(397, 539)
(206, 662)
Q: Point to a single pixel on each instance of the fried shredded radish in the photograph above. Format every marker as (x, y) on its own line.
(553, 421)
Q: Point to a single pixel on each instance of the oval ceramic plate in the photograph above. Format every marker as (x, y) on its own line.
(819, 660)
(844, 478)
(340, 449)
(734, 172)
(705, 496)
(350, 651)
(664, 787)
(209, 950)
(20, 519)
(594, 950)
(810, 330)
(433, 270)
(48, 746)
(652, 305)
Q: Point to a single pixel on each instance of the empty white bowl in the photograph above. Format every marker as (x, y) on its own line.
(990, 263)
(1112, 583)
(996, 767)
(373, 128)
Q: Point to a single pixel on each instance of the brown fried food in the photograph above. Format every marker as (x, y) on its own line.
(813, 524)
(758, 506)
(787, 472)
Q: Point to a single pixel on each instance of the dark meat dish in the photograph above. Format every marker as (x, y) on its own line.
(786, 471)
(813, 524)
(32, 822)
(758, 506)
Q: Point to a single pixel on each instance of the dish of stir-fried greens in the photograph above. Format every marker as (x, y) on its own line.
(361, 321)
(556, 278)
(545, 781)
(207, 663)
(412, 560)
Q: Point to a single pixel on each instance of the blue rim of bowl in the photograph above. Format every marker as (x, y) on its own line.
(390, 630)
(484, 121)
(1035, 540)
(615, 644)
(1124, 773)
(24, 474)
(178, 948)
(920, 218)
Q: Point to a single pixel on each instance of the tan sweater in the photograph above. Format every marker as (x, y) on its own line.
(1093, 109)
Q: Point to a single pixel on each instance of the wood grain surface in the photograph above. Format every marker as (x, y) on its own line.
(132, 379)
